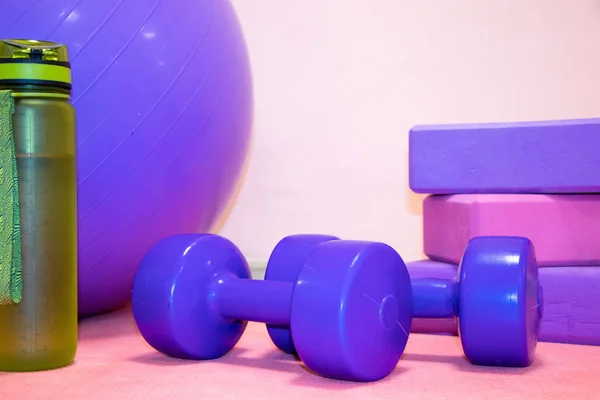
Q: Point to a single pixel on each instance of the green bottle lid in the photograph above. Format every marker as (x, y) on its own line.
(34, 62)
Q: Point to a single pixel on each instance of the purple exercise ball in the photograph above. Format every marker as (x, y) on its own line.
(163, 95)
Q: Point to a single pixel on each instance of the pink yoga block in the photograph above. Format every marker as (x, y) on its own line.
(571, 302)
(565, 229)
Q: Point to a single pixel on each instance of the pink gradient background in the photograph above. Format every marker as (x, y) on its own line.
(338, 84)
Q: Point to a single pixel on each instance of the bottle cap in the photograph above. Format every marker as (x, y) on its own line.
(34, 62)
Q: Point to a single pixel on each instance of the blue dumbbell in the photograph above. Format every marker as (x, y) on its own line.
(496, 297)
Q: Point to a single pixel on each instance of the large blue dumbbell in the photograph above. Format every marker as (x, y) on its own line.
(496, 297)
(348, 309)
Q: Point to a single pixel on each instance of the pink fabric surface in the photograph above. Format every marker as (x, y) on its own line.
(114, 362)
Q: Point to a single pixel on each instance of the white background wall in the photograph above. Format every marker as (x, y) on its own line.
(338, 84)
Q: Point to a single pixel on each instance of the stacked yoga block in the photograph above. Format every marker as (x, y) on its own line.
(536, 179)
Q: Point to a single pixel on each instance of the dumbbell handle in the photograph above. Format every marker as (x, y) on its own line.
(433, 298)
(254, 300)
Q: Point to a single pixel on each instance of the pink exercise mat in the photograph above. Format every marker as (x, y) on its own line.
(114, 362)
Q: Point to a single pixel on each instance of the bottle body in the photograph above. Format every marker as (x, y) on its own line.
(40, 332)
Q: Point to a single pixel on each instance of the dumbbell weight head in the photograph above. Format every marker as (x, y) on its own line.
(352, 310)
(500, 301)
(284, 264)
(173, 300)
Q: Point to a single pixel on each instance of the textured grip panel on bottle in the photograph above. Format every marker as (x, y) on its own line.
(11, 265)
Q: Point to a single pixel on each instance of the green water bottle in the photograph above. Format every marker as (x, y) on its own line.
(38, 210)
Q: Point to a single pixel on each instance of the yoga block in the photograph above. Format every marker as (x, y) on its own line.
(565, 229)
(571, 302)
(524, 157)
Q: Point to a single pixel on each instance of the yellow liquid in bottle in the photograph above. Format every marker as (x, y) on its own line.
(41, 332)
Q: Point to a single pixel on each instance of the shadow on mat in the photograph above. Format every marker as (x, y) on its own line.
(272, 361)
(461, 363)
(115, 324)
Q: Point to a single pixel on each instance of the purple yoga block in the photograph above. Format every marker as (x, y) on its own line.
(523, 157)
(571, 302)
(565, 229)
